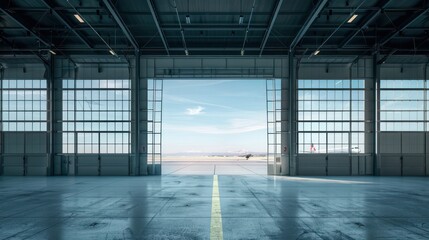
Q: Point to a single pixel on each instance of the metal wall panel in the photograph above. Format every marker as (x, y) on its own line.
(13, 142)
(338, 165)
(87, 165)
(390, 142)
(13, 165)
(390, 164)
(324, 71)
(355, 165)
(367, 162)
(25, 71)
(427, 165)
(413, 142)
(37, 165)
(114, 165)
(402, 71)
(103, 71)
(312, 165)
(36, 142)
(214, 67)
(413, 165)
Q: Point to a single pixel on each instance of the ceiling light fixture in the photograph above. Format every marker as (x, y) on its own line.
(240, 20)
(352, 18)
(52, 52)
(112, 52)
(79, 18)
(188, 19)
(353, 14)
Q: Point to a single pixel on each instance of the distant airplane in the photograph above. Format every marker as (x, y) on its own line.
(330, 150)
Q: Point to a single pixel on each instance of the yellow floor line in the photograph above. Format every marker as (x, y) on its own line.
(216, 231)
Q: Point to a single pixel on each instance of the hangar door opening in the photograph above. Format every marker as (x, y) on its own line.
(210, 126)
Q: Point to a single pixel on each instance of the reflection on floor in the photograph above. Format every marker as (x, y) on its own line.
(179, 207)
(243, 167)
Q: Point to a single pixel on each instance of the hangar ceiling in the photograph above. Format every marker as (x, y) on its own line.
(216, 27)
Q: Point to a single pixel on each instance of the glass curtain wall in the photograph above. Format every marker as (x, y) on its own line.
(96, 116)
(24, 105)
(403, 105)
(331, 116)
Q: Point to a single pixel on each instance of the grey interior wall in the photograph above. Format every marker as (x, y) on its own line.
(1, 117)
(25, 153)
(402, 71)
(216, 67)
(403, 153)
(103, 71)
(24, 71)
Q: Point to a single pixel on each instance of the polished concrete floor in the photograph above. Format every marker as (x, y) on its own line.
(180, 207)
(239, 167)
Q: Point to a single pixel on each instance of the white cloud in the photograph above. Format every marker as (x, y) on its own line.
(195, 111)
(187, 100)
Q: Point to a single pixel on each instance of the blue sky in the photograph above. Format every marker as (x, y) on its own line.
(214, 116)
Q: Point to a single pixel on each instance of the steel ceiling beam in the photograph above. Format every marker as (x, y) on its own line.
(405, 24)
(383, 60)
(156, 20)
(308, 22)
(270, 26)
(23, 25)
(65, 23)
(112, 9)
(214, 27)
(368, 20)
(5, 40)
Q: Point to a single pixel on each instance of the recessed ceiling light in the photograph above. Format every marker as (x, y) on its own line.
(316, 52)
(352, 18)
(79, 18)
(112, 52)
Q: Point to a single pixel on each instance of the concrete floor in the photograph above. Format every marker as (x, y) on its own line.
(179, 207)
(244, 167)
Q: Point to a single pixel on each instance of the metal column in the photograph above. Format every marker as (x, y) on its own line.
(285, 134)
(135, 165)
(50, 117)
(292, 116)
(141, 121)
(1, 119)
(375, 111)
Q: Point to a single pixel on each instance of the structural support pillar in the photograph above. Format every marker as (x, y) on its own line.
(139, 129)
(285, 134)
(1, 115)
(290, 124)
(51, 86)
(55, 96)
(372, 97)
(134, 163)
